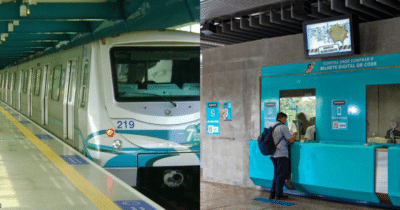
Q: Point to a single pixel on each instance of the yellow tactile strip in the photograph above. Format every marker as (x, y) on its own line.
(99, 199)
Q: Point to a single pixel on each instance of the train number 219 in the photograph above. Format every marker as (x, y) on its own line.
(125, 124)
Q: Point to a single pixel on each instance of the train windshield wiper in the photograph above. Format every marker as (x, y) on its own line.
(151, 94)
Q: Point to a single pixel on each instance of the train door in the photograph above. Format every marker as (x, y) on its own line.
(69, 104)
(19, 91)
(44, 96)
(29, 93)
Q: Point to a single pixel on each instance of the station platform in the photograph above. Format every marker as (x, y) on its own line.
(229, 197)
(39, 171)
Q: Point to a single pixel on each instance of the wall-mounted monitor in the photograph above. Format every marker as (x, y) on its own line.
(331, 37)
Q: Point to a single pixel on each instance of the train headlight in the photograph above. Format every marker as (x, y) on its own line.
(173, 178)
(117, 144)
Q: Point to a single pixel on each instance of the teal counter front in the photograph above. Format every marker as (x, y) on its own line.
(394, 175)
(338, 170)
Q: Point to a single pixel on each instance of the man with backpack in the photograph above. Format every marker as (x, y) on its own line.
(280, 158)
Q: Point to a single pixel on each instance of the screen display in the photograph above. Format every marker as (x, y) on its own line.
(329, 37)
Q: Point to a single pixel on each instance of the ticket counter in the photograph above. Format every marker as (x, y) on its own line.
(357, 149)
(338, 170)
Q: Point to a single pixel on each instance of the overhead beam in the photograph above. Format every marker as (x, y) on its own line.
(63, 11)
(47, 27)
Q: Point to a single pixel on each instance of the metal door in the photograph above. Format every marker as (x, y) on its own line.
(70, 88)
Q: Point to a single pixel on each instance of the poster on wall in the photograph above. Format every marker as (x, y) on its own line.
(213, 123)
(227, 111)
(271, 109)
(339, 115)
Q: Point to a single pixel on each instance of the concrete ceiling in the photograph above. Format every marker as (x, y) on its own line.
(52, 25)
(225, 22)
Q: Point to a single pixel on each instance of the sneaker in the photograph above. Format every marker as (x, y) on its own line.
(289, 185)
(283, 197)
(271, 196)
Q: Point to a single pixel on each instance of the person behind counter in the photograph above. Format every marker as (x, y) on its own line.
(280, 159)
(310, 132)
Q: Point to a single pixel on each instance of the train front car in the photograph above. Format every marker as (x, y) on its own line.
(151, 92)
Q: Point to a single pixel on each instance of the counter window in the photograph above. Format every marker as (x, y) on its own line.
(300, 106)
(383, 113)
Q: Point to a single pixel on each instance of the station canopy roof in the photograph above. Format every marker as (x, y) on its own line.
(225, 22)
(32, 28)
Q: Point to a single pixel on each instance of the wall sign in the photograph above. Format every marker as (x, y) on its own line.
(213, 123)
(339, 115)
(271, 108)
(227, 111)
(354, 63)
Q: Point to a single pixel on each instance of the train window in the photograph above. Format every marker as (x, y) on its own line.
(383, 112)
(300, 106)
(15, 80)
(156, 73)
(56, 85)
(84, 82)
(25, 86)
(38, 77)
(50, 81)
(9, 81)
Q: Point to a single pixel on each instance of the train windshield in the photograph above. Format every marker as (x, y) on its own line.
(156, 73)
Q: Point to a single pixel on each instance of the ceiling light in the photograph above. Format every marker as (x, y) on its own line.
(22, 10)
(10, 27)
(32, 2)
(15, 22)
(3, 37)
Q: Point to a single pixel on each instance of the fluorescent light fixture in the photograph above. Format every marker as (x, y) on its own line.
(3, 37)
(15, 22)
(22, 10)
(10, 27)
(32, 2)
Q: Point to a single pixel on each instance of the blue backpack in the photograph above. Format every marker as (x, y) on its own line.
(266, 142)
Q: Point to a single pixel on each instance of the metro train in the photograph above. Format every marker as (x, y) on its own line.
(130, 103)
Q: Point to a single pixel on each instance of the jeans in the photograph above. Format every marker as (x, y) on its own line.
(281, 170)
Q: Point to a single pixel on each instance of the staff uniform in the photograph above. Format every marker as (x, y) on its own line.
(310, 133)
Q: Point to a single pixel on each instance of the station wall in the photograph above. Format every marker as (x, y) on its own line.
(232, 74)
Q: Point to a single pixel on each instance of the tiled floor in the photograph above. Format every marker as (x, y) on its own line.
(34, 176)
(222, 196)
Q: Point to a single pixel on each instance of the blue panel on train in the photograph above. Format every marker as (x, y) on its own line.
(74, 159)
(44, 136)
(24, 122)
(134, 204)
(282, 203)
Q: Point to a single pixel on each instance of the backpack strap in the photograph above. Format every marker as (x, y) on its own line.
(273, 132)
